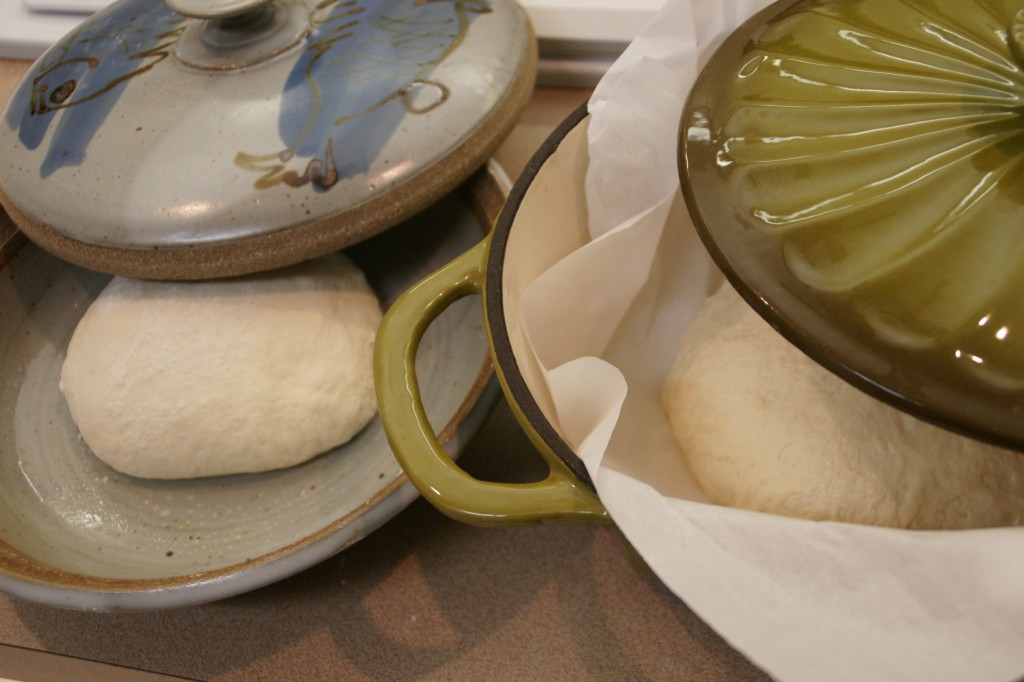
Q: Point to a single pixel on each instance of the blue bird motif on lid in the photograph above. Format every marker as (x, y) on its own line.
(83, 76)
(363, 67)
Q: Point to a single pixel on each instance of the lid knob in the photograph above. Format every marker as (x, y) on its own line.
(215, 9)
(232, 34)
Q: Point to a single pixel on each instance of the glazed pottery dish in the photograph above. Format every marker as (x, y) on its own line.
(200, 139)
(591, 279)
(76, 533)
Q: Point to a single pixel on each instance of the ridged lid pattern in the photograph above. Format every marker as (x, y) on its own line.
(855, 167)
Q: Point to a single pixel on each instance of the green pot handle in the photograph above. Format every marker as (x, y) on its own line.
(559, 497)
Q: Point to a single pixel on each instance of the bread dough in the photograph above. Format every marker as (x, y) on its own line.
(764, 427)
(189, 379)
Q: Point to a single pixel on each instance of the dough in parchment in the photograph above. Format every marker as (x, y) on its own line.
(190, 379)
(764, 427)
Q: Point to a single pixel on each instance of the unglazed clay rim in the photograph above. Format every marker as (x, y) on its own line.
(293, 244)
(940, 407)
(504, 356)
(26, 578)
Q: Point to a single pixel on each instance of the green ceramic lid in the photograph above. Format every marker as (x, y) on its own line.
(855, 168)
(202, 138)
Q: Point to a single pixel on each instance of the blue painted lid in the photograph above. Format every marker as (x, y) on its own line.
(212, 137)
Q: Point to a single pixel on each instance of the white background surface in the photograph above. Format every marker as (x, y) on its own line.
(579, 39)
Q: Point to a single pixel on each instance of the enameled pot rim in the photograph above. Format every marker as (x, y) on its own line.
(504, 357)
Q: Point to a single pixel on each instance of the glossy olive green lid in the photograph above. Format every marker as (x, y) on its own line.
(855, 167)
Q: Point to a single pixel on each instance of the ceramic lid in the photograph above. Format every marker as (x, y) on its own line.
(203, 138)
(855, 168)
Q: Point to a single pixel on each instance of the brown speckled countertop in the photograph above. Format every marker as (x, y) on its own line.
(423, 598)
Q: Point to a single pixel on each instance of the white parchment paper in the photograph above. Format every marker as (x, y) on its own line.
(803, 600)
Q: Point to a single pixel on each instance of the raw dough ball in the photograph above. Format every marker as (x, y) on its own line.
(763, 427)
(190, 379)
